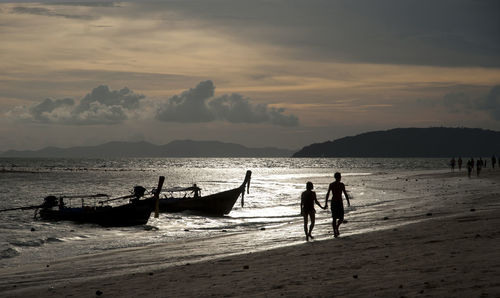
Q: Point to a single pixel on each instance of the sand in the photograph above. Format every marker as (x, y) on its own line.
(453, 252)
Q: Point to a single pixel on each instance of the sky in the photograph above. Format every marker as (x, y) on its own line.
(259, 73)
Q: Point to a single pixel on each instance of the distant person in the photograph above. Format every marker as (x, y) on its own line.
(460, 163)
(479, 166)
(337, 207)
(452, 164)
(470, 165)
(307, 200)
(493, 161)
(196, 191)
(61, 203)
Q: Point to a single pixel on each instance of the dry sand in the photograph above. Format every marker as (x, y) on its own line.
(453, 253)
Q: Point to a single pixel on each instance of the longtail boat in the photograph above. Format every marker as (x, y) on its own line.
(217, 204)
(136, 212)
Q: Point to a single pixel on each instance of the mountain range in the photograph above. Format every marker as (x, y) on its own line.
(410, 142)
(398, 142)
(184, 148)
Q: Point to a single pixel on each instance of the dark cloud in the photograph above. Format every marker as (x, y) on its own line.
(102, 95)
(190, 106)
(491, 103)
(101, 106)
(460, 102)
(440, 33)
(237, 109)
(44, 111)
(198, 105)
(436, 33)
(50, 13)
(457, 102)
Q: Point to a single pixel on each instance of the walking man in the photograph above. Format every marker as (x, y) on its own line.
(337, 205)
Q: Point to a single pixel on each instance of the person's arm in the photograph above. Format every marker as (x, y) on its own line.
(302, 204)
(327, 195)
(316, 201)
(346, 197)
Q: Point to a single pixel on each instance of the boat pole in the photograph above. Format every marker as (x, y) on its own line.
(157, 196)
(21, 208)
(245, 185)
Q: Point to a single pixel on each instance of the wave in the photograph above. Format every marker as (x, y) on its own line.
(53, 240)
(9, 253)
(28, 243)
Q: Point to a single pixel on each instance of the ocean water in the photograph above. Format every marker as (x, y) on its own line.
(269, 218)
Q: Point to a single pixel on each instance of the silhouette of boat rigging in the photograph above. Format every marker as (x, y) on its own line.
(217, 204)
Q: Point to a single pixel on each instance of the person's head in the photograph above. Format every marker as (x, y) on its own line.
(337, 176)
(309, 185)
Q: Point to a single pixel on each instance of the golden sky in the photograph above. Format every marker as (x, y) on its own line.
(269, 73)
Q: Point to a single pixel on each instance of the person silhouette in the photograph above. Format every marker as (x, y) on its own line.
(307, 200)
(470, 165)
(479, 166)
(460, 163)
(493, 161)
(337, 205)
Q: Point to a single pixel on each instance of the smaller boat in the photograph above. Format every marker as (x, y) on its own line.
(217, 204)
(136, 212)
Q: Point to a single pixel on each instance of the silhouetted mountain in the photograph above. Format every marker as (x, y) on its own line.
(185, 148)
(188, 148)
(410, 142)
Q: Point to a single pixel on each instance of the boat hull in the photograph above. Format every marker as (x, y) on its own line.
(217, 204)
(136, 213)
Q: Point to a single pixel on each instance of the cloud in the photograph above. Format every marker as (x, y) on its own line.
(41, 11)
(101, 106)
(50, 110)
(102, 95)
(190, 106)
(389, 31)
(491, 103)
(237, 109)
(88, 3)
(460, 102)
(457, 102)
(198, 105)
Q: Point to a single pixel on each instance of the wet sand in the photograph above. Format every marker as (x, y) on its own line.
(450, 252)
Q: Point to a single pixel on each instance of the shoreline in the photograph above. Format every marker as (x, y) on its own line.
(461, 260)
(452, 251)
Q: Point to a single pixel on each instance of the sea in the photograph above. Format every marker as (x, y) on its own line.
(269, 218)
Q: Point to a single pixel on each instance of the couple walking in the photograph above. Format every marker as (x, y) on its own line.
(308, 199)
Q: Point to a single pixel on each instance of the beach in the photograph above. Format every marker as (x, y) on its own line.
(450, 248)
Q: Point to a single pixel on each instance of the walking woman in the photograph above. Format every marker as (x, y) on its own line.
(307, 200)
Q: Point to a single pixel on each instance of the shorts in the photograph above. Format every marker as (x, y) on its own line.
(337, 209)
(306, 212)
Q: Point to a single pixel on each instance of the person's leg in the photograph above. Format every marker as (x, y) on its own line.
(341, 219)
(305, 226)
(313, 219)
(334, 224)
(339, 222)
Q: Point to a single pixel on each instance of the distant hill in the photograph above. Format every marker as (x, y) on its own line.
(410, 142)
(186, 148)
